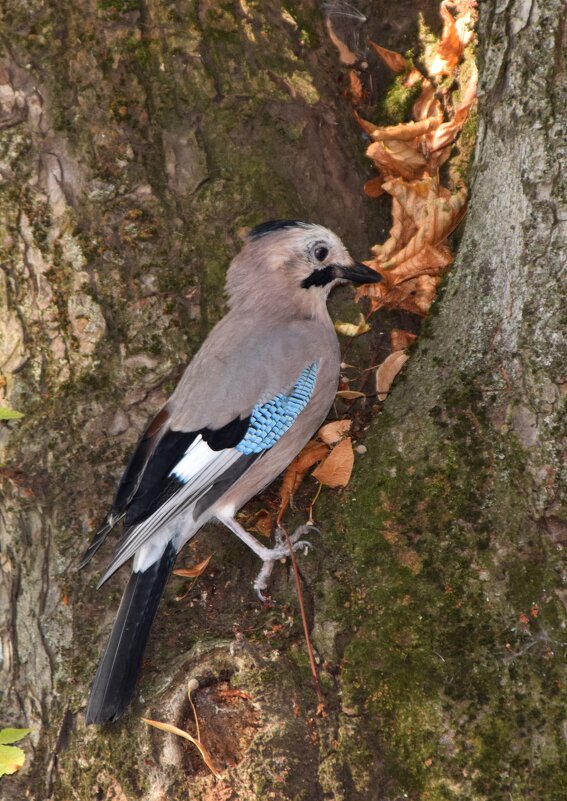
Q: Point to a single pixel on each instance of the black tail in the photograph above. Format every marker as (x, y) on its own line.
(115, 679)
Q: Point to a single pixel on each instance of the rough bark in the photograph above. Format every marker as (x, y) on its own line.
(138, 139)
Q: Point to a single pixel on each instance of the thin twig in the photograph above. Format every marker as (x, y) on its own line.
(320, 696)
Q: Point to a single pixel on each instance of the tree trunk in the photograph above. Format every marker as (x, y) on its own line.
(138, 139)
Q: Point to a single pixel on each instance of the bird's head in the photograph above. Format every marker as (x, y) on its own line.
(294, 265)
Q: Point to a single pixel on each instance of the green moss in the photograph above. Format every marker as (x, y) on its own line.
(455, 640)
(396, 104)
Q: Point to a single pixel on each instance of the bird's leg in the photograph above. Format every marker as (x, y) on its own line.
(268, 555)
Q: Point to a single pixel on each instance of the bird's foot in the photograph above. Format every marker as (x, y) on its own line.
(281, 551)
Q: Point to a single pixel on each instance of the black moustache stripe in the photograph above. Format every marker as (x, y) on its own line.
(320, 277)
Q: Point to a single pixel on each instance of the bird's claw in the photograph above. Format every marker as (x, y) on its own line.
(281, 551)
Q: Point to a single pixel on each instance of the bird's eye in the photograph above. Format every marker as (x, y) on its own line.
(321, 253)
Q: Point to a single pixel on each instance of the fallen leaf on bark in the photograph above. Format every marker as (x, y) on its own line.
(406, 131)
(402, 230)
(401, 339)
(387, 371)
(437, 219)
(312, 453)
(373, 187)
(349, 394)
(356, 90)
(446, 133)
(262, 523)
(352, 329)
(429, 260)
(450, 47)
(336, 470)
(427, 104)
(334, 431)
(345, 53)
(194, 572)
(397, 158)
(395, 61)
(168, 727)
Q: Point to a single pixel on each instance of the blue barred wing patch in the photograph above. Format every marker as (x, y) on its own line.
(269, 421)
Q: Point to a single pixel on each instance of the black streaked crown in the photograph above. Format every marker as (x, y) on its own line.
(274, 225)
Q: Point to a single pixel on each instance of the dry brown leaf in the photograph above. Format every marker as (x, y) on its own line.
(438, 220)
(262, 523)
(168, 727)
(366, 126)
(350, 394)
(402, 230)
(335, 471)
(395, 158)
(356, 90)
(312, 453)
(424, 295)
(406, 131)
(395, 61)
(429, 260)
(450, 47)
(427, 104)
(401, 339)
(373, 187)
(413, 197)
(353, 329)
(345, 54)
(446, 133)
(334, 431)
(387, 371)
(194, 572)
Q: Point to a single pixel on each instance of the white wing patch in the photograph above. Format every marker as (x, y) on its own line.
(210, 464)
(197, 457)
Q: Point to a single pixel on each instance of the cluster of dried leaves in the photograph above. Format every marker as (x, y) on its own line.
(408, 158)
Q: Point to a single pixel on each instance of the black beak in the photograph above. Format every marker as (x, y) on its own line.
(359, 274)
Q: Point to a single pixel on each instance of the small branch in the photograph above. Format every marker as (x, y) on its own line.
(320, 696)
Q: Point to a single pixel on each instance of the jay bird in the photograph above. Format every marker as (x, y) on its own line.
(259, 387)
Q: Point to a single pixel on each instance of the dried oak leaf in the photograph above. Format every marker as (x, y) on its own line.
(423, 293)
(450, 48)
(446, 133)
(336, 470)
(395, 158)
(168, 727)
(373, 187)
(401, 339)
(349, 394)
(356, 90)
(332, 432)
(262, 523)
(387, 371)
(312, 453)
(345, 54)
(352, 329)
(429, 260)
(194, 572)
(395, 61)
(436, 219)
(427, 104)
(402, 230)
(406, 131)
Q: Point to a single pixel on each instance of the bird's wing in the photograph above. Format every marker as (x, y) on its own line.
(188, 471)
(130, 480)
